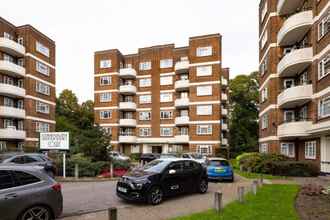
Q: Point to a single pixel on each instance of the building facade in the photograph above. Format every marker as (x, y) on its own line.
(164, 99)
(27, 86)
(294, 58)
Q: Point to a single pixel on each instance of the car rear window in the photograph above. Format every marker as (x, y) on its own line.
(6, 180)
(218, 163)
(25, 178)
(4, 157)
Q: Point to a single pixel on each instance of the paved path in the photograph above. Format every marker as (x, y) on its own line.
(88, 197)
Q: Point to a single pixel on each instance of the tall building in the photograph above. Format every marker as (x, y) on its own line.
(164, 99)
(27, 86)
(294, 57)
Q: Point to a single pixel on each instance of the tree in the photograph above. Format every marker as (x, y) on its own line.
(244, 104)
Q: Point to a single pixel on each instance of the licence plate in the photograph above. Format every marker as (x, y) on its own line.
(219, 170)
(122, 189)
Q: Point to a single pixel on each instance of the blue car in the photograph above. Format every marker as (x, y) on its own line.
(219, 169)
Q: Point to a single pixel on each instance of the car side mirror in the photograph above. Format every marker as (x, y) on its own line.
(172, 171)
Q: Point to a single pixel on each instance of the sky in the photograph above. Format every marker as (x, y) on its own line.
(81, 27)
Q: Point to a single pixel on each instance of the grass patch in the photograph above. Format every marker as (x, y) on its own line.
(257, 175)
(272, 202)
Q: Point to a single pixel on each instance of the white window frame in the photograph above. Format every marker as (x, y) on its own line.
(105, 114)
(204, 51)
(204, 109)
(264, 94)
(166, 131)
(263, 148)
(264, 11)
(166, 80)
(322, 26)
(166, 97)
(42, 107)
(310, 150)
(42, 88)
(322, 103)
(204, 71)
(200, 149)
(105, 80)
(322, 70)
(285, 115)
(145, 82)
(145, 116)
(166, 115)
(285, 149)
(204, 90)
(166, 63)
(42, 68)
(145, 99)
(105, 63)
(204, 129)
(264, 121)
(42, 127)
(105, 97)
(146, 65)
(264, 39)
(144, 132)
(42, 49)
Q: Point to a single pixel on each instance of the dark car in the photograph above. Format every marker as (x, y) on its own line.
(27, 192)
(33, 159)
(148, 157)
(162, 178)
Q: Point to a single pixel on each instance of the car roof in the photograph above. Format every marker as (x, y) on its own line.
(174, 159)
(20, 167)
(216, 158)
(21, 153)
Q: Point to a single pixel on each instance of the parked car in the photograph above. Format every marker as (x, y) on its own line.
(219, 169)
(115, 155)
(163, 156)
(194, 156)
(27, 192)
(33, 159)
(162, 178)
(148, 157)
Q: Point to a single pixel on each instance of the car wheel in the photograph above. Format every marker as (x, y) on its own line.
(232, 179)
(203, 186)
(36, 212)
(155, 195)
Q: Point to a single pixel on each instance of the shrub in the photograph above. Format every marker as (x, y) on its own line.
(295, 168)
(245, 155)
(135, 157)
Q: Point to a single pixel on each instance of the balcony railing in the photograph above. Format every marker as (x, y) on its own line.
(12, 47)
(294, 129)
(11, 90)
(295, 96)
(12, 112)
(12, 133)
(12, 69)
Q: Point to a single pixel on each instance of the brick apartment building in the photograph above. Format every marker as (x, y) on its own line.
(164, 99)
(27, 86)
(294, 57)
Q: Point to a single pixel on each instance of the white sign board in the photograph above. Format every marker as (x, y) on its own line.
(54, 141)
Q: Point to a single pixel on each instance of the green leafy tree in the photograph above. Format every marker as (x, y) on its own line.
(244, 104)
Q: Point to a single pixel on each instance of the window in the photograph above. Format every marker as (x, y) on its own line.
(107, 130)
(324, 107)
(204, 129)
(145, 65)
(144, 116)
(264, 121)
(3, 147)
(287, 149)
(8, 123)
(204, 71)
(289, 116)
(8, 58)
(9, 102)
(264, 94)
(166, 80)
(42, 68)
(264, 66)
(42, 127)
(42, 88)
(42, 49)
(6, 180)
(204, 149)
(204, 51)
(204, 90)
(105, 97)
(263, 148)
(145, 82)
(264, 39)
(166, 97)
(166, 132)
(145, 99)
(204, 109)
(310, 150)
(166, 63)
(135, 149)
(324, 26)
(324, 67)
(105, 80)
(25, 178)
(105, 114)
(166, 114)
(145, 132)
(8, 36)
(42, 107)
(264, 11)
(105, 64)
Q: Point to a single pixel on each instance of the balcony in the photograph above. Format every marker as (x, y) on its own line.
(182, 85)
(224, 126)
(127, 138)
(127, 122)
(128, 106)
(182, 66)
(285, 7)
(295, 62)
(11, 90)
(295, 28)
(295, 96)
(12, 133)
(224, 111)
(12, 69)
(182, 103)
(127, 89)
(224, 97)
(11, 47)
(127, 73)
(181, 139)
(12, 112)
(182, 120)
(224, 141)
(294, 129)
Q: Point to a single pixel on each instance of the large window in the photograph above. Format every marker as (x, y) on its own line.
(264, 94)
(204, 149)
(145, 99)
(204, 90)
(288, 149)
(310, 150)
(166, 63)
(166, 80)
(145, 132)
(324, 67)
(166, 132)
(324, 26)
(42, 49)
(264, 121)
(264, 66)
(145, 65)
(42, 107)
(105, 80)
(204, 71)
(166, 97)
(263, 148)
(264, 39)
(324, 107)
(42, 68)
(204, 51)
(42, 127)
(204, 130)
(43, 88)
(145, 116)
(145, 82)
(105, 97)
(105, 63)
(105, 114)
(166, 114)
(204, 109)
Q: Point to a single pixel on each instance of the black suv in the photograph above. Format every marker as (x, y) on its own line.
(161, 178)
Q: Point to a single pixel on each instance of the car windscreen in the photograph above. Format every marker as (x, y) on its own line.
(155, 166)
(218, 163)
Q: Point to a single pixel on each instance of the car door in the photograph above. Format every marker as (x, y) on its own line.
(173, 181)
(191, 175)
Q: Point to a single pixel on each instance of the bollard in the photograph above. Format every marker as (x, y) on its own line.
(112, 213)
(218, 201)
(240, 192)
(76, 171)
(111, 170)
(261, 179)
(254, 187)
